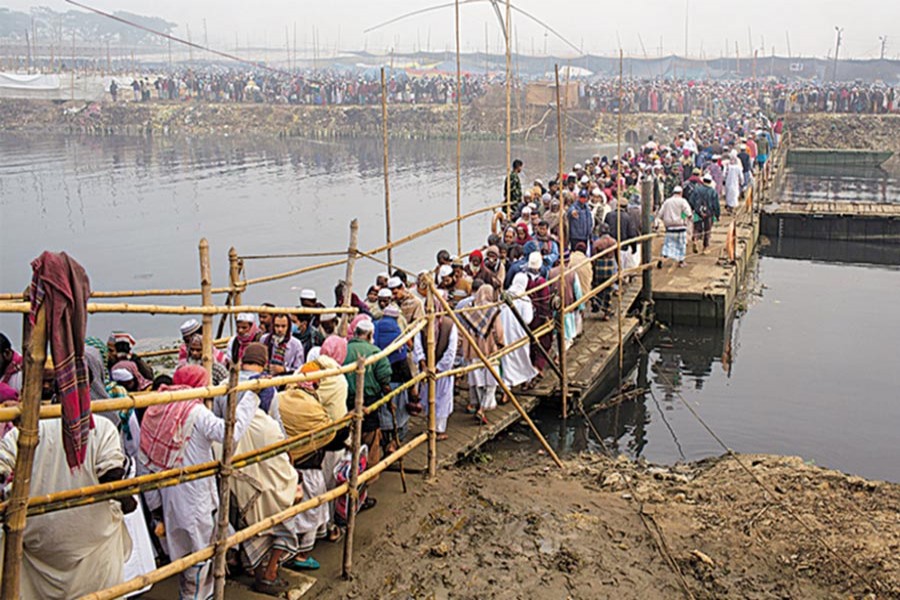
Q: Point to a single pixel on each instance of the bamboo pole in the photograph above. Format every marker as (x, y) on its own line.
(135, 293)
(431, 361)
(245, 534)
(458, 138)
(163, 309)
(353, 492)
(143, 399)
(295, 272)
(348, 278)
(432, 228)
(561, 334)
(493, 370)
(206, 286)
(35, 346)
(234, 276)
(225, 473)
(387, 187)
(508, 112)
(619, 216)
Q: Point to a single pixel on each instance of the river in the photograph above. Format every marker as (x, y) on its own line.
(805, 370)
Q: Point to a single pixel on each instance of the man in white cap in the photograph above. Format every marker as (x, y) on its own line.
(247, 333)
(411, 307)
(188, 329)
(445, 278)
(675, 214)
(704, 203)
(309, 299)
(381, 280)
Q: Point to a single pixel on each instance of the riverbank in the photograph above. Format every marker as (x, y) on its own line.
(840, 131)
(405, 121)
(575, 533)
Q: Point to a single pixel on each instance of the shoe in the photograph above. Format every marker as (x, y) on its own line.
(310, 564)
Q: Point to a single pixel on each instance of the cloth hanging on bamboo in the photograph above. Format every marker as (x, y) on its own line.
(62, 286)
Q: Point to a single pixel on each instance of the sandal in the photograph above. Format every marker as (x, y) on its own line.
(369, 503)
(310, 564)
(503, 400)
(272, 588)
(442, 437)
(335, 534)
(470, 409)
(481, 418)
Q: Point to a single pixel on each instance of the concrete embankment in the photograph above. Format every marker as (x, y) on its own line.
(404, 121)
(865, 132)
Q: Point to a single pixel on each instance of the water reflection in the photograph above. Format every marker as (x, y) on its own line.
(834, 184)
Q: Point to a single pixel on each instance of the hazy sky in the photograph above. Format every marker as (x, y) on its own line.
(659, 22)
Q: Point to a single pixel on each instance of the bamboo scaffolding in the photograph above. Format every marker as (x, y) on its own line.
(135, 293)
(316, 439)
(430, 362)
(348, 277)
(190, 560)
(353, 479)
(206, 285)
(508, 110)
(225, 473)
(493, 370)
(507, 349)
(561, 334)
(387, 187)
(295, 272)
(619, 184)
(294, 255)
(162, 309)
(458, 136)
(144, 399)
(35, 347)
(217, 343)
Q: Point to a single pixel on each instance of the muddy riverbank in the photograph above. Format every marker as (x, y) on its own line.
(405, 121)
(516, 527)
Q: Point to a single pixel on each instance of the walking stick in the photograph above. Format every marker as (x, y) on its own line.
(397, 442)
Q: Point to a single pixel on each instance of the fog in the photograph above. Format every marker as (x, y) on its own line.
(647, 27)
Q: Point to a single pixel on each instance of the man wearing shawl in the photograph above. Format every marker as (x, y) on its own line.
(189, 329)
(121, 344)
(180, 434)
(446, 338)
(573, 293)
(247, 333)
(195, 357)
(540, 301)
(516, 365)
(285, 352)
(483, 322)
(10, 364)
(387, 330)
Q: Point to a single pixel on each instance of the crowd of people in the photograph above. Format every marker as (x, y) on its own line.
(500, 290)
(711, 97)
(717, 98)
(309, 87)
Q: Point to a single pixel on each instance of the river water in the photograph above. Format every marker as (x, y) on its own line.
(809, 369)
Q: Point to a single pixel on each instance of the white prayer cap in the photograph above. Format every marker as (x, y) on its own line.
(707, 178)
(190, 326)
(391, 310)
(535, 260)
(539, 182)
(366, 326)
(395, 282)
(121, 375)
(526, 193)
(385, 293)
(328, 317)
(677, 189)
(577, 166)
(307, 294)
(245, 317)
(547, 197)
(526, 210)
(585, 179)
(385, 275)
(596, 192)
(445, 271)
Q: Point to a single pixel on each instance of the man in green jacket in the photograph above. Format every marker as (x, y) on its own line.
(376, 383)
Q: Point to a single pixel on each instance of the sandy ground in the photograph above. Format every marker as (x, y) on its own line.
(514, 526)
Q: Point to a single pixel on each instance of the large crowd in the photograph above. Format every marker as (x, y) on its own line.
(499, 293)
(309, 87)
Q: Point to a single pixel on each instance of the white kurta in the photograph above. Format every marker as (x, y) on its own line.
(443, 387)
(516, 366)
(77, 551)
(188, 508)
(734, 176)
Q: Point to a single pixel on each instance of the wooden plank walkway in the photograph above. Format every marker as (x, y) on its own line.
(593, 355)
(869, 222)
(837, 209)
(703, 292)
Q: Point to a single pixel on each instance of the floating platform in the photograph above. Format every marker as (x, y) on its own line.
(592, 359)
(838, 221)
(703, 292)
(814, 157)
